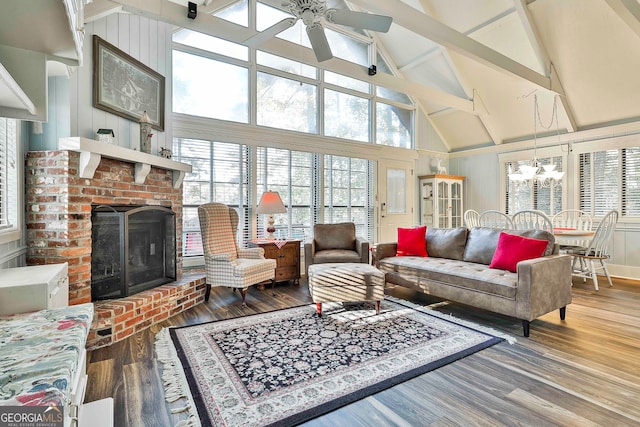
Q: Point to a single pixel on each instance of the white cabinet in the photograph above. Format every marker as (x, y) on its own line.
(37, 287)
(441, 200)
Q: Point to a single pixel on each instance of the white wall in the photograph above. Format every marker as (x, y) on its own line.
(146, 40)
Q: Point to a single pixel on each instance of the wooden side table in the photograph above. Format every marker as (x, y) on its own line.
(287, 255)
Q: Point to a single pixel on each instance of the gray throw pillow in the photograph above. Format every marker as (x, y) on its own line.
(481, 244)
(446, 242)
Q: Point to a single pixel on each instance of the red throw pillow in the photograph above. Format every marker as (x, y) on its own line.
(411, 241)
(512, 249)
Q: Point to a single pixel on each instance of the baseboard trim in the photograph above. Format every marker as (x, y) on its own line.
(624, 271)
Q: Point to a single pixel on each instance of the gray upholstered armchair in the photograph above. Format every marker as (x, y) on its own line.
(335, 243)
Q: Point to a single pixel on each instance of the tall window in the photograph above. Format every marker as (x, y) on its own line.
(8, 174)
(394, 125)
(346, 116)
(216, 78)
(286, 104)
(293, 175)
(348, 193)
(219, 174)
(525, 196)
(610, 180)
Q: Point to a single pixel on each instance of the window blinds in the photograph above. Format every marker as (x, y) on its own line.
(348, 192)
(8, 172)
(219, 175)
(3, 173)
(609, 180)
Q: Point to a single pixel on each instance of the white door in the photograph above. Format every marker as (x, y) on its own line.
(396, 198)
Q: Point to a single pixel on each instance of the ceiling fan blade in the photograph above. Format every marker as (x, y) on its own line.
(367, 21)
(268, 33)
(319, 42)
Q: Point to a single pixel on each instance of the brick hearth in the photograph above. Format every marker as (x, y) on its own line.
(58, 220)
(118, 319)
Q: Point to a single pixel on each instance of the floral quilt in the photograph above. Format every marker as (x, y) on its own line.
(39, 354)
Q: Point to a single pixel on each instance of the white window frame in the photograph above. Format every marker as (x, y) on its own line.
(12, 191)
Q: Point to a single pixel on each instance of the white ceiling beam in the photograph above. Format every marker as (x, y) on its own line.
(175, 14)
(212, 6)
(629, 11)
(484, 115)
(386, 56)
(544, 60)
(532, 34)
(430, 28)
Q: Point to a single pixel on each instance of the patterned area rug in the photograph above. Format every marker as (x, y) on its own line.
(287, 366)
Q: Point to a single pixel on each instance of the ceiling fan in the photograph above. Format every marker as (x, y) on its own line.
(313, 13)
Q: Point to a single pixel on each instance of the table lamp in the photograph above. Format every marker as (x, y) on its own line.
(270, 203)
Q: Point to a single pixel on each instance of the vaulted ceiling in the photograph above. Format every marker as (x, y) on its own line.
(475, 67)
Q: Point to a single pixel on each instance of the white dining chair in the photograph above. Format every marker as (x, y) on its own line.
(572, 219)
(471, 218)
(531, 220)
(584, 261)
(495, 219)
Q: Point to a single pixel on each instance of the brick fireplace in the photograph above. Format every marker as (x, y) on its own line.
(61, 188)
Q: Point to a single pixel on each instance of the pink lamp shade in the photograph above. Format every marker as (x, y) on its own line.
(270, 203)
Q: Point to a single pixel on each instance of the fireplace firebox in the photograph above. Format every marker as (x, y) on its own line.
(133, 249)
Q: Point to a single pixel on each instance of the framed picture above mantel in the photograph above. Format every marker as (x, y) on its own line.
(124, 86)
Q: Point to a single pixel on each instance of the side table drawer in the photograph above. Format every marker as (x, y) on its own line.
(286, 273)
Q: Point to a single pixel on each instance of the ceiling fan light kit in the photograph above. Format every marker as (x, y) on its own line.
(313, 13)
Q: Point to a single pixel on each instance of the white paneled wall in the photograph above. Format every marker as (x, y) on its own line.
(146, 40)
(12, 254)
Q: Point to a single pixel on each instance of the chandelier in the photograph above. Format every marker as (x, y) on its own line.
(535, 173)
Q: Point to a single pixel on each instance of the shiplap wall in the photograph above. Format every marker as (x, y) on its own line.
(146, 40)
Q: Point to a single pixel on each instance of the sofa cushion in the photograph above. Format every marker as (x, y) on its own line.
(512, 249)
(457, 273)
(411, 241)
(446, 242)
(336, 255)
(482, 242)
(335, 236)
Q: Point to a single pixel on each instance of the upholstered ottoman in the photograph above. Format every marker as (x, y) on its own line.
(345, 282)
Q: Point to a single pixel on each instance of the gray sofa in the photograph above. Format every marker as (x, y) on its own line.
(457, 269)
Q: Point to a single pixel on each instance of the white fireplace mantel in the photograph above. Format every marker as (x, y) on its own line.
(91, 151)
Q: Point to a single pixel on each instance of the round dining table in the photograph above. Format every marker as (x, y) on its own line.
(572, 236)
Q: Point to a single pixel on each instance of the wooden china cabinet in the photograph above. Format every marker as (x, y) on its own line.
(441, 200)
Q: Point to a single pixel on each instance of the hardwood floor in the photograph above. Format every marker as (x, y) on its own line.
(584, 371)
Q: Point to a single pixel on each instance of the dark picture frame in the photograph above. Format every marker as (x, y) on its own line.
(126, 87)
